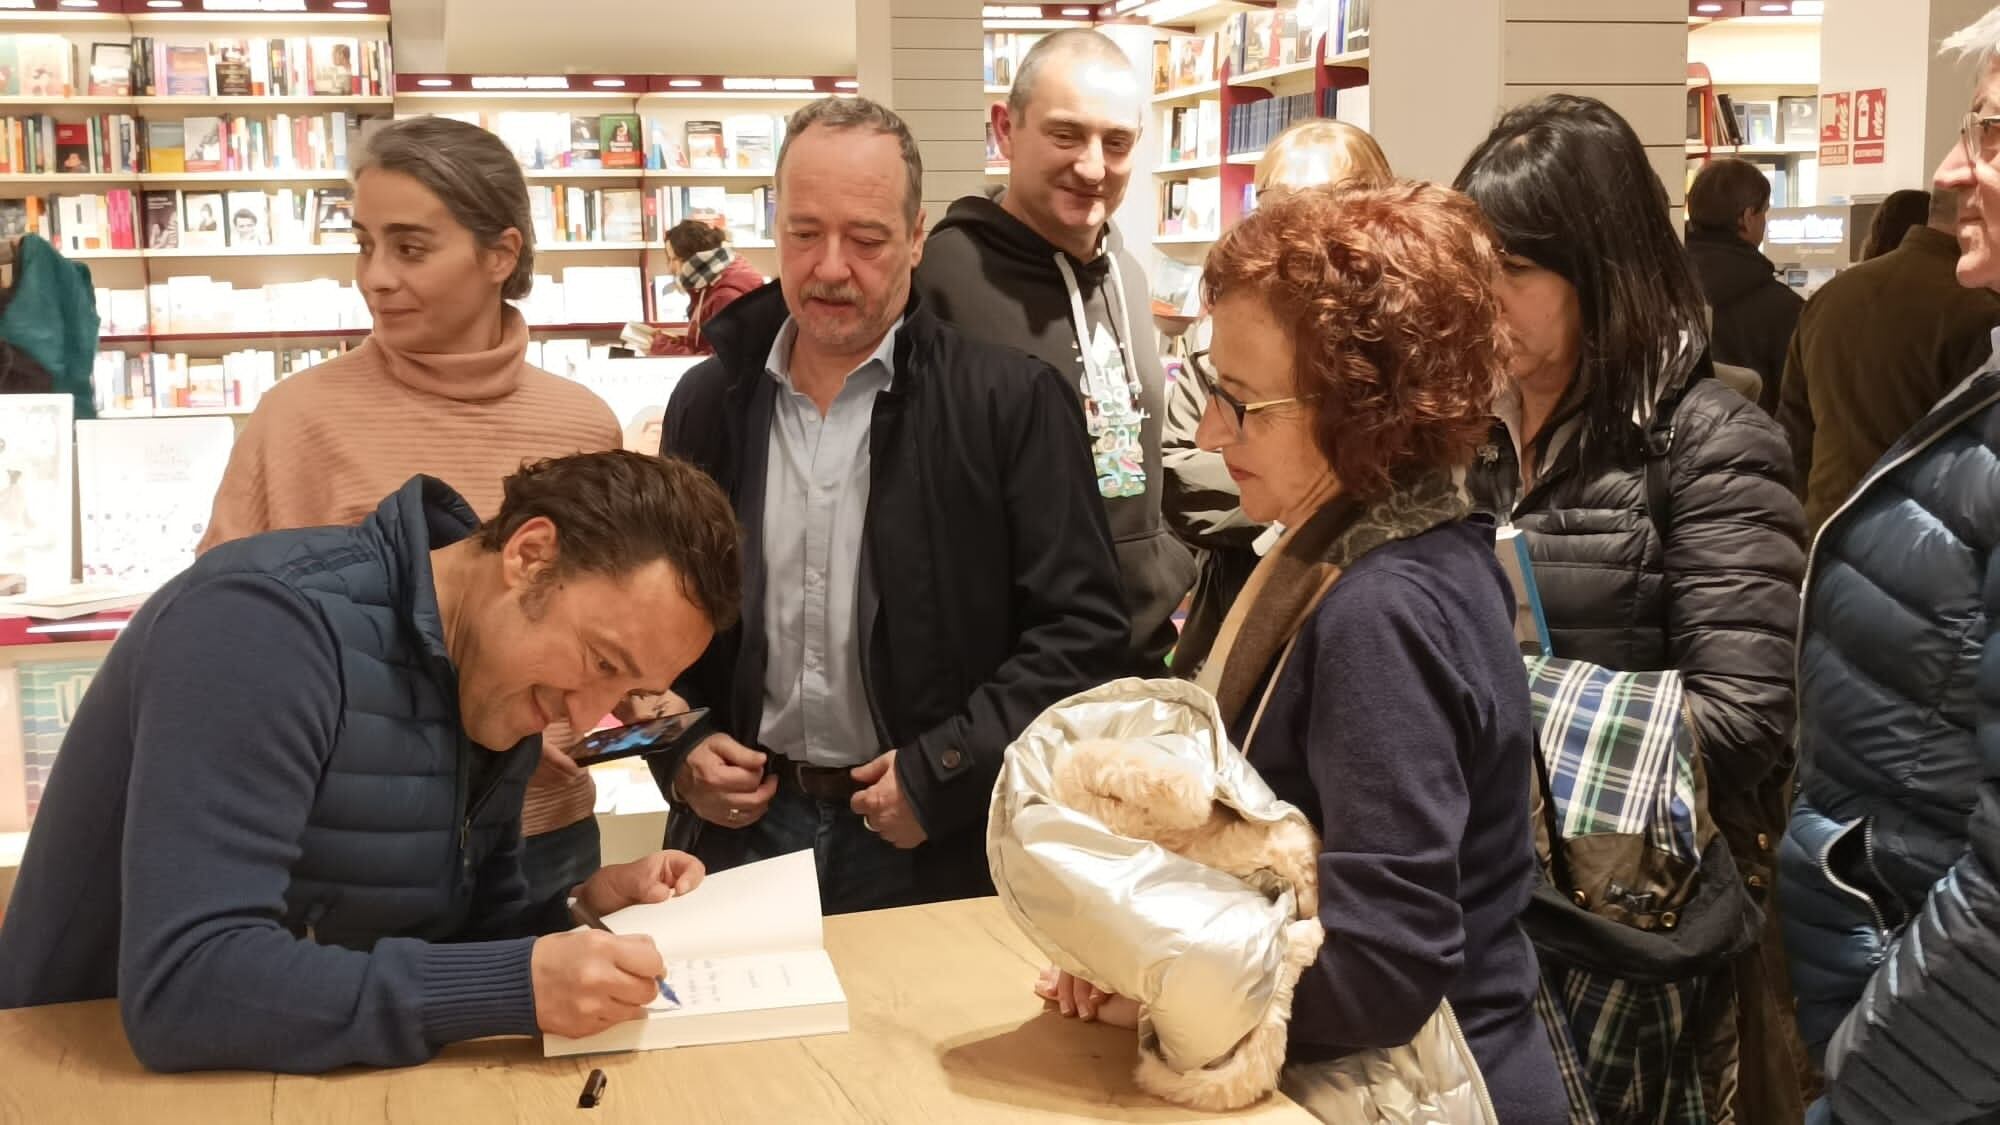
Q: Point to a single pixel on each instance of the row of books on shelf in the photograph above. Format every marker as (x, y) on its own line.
(54, 66)
(1191, 207)
(1723, 119)
(1191, 132)
(629, 215)
(37, 700)
(587, 295)
(1254, 125)
(38, 144)
(125, 219)
(196, 303)
(149, 383)
(1002, 53)
(550, 140)
(1260, 39)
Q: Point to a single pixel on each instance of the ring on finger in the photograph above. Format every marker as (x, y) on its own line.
(869, 825)
(735, 815)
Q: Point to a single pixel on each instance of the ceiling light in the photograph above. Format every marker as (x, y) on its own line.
(847, 84)
(1076, 11)
(350, 3)
(608, 83)
(163, 3)
(433, 82)
(685, 83)
(78, 4)
(1706, 8)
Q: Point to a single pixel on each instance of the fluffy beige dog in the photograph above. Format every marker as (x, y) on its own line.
(1143, 792)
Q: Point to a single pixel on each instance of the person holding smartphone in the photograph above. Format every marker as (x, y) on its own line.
(301, 770)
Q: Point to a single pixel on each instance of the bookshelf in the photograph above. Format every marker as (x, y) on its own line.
(1773, 125)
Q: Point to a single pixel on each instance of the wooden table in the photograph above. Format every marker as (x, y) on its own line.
(945, 1030)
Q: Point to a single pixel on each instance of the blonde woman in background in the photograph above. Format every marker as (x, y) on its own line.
(1200, 500)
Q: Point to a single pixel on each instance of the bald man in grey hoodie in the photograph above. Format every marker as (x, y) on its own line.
(1041, 270)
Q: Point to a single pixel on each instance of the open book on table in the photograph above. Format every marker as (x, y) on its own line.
(745, 957)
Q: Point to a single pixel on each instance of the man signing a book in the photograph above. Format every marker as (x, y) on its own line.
(284, 830)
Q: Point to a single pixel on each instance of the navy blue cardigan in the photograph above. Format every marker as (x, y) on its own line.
(1401, 727)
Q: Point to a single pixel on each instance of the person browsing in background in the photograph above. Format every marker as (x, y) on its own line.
(1891, 864)
(1044, 271)
(1356, 350)
(441, 386)
(928, 566)
(1727, 207)
(1199, 498)
(1877, 347)
(294, 787)
(711, 274)
(1899, 212)
(1607, 322)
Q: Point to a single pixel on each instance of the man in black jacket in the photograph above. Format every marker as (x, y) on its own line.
(927, 565)
(1755, 313)
(1042, 270)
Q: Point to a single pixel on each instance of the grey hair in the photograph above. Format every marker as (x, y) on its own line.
(1978, 40)
(855, 112)
(471, 171)
(1085, 43)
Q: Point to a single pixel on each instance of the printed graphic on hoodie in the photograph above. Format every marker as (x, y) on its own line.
(1111, 408)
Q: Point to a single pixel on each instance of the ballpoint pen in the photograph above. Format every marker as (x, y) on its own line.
(588, 917)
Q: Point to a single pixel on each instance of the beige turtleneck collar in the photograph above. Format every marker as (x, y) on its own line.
(463, 376)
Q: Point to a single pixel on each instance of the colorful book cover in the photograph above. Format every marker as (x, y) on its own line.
(166, 143)
(585, 147)
(749, 140)
(333, 67)
(10, 68)
(231, 63)
(44, 62)
(111, 69)
(187, 71)
(334, 225)
(147, 487)
(249, 219)
(203, 144)
(620, 140)
(706, 150)
(163, 220)
(201, 220)
(73, 148)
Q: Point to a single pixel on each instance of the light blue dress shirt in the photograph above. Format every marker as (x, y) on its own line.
(815, 506)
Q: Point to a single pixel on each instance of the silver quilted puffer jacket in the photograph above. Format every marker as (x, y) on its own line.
(1211, 957)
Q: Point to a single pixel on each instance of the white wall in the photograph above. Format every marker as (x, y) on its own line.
(1892, 45)
(1757, 53)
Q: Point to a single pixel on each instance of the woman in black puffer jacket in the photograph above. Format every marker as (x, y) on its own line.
(1609, 338)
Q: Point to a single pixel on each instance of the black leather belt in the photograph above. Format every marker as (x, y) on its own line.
(834, 785)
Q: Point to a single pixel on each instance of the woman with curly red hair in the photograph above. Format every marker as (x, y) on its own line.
(1369, 668)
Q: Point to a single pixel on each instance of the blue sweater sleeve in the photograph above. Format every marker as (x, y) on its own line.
(233, 720)
(1384, 754)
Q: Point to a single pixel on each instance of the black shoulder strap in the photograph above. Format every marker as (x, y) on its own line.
(1660, 444)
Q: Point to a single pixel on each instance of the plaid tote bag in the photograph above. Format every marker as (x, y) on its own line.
(1641, 906)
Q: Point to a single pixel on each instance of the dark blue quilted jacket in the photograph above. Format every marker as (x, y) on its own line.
(1893, 849)
(266, 832)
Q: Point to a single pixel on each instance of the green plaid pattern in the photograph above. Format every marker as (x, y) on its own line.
(1639, 1058)
(1621, 760)
(1620, 756)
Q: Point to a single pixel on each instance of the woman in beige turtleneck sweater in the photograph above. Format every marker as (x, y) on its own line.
(441, 387)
